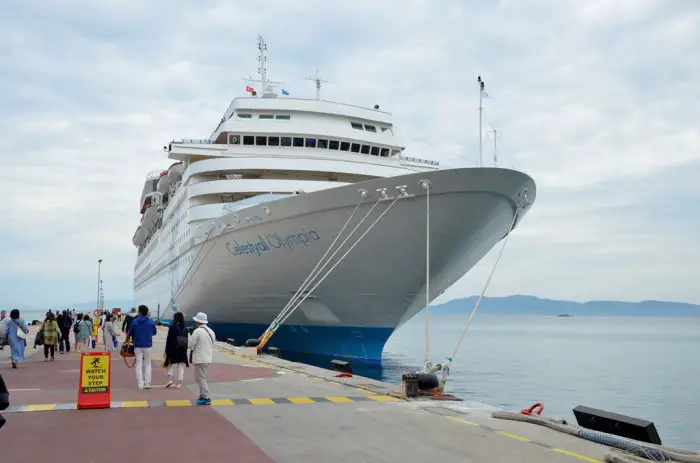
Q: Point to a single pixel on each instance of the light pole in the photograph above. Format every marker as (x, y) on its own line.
(99, 265)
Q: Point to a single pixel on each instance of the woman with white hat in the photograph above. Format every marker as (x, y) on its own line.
(201, 345)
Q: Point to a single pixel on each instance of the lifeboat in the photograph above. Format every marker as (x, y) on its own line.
(135, 240)
(175, 172)
(149, 218)
(140, 236)
(163, 184)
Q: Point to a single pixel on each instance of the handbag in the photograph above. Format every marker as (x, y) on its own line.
(21, 334)
(127, 351)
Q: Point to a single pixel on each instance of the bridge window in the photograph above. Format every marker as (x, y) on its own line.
(355, 147)
(286, 141)
(370, 128)
(323, 144)
(311, 143)
(283, 117)
(333, 144)
(248, 140)
(375, 151)
(344, 146)
(394, 152)
(245, 116)
(298, 142)
(273, 141)
(384, 152)
(261, 141)
(364, 149)
(266, 116)
(356, 125)
(234, 139)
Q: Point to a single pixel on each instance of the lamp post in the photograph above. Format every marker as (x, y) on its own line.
(99, 267)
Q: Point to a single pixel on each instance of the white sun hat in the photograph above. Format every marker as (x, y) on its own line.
(201, 317)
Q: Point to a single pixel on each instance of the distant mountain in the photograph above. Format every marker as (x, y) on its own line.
(91, 305)
(531, 305)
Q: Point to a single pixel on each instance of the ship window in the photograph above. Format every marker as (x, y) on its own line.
(364, 149)
(245, 116)
(394, 152)
(322, 144)
(286, 141)
(283, 117)
(356, 125)
(248, 140)
(370, 128)
(385, 152)
(333, 144)
(273, 141)
(344, 146)
(261, 141)
(355, 147)
(298, 141)
(266, 116)
(375, 151)
(234, 139)
(311, 143)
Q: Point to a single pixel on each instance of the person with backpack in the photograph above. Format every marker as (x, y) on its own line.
(176, 350)
(201, 344)
(76, 330)
(64, 325)
(128, 320)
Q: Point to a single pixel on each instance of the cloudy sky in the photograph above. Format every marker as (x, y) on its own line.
(599, 101)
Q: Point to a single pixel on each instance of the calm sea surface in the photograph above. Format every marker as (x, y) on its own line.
(643, 367)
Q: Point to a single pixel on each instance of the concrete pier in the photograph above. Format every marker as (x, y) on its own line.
(264, 409)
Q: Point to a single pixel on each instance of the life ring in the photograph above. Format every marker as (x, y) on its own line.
(535, 409)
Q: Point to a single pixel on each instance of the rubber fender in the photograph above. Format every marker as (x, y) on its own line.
(252, 342)
(427, 381)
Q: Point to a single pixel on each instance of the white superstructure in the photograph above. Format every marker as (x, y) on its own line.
(282, 174)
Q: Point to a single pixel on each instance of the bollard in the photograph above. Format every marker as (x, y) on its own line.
(231, 341)
(274, 351)
(342, 366)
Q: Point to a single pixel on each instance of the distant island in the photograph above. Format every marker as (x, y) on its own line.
(531, 305)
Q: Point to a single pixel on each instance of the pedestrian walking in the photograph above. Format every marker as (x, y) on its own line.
(15, 333)
(141, 331)
(176, 350)
(201, 344)
(51, 334)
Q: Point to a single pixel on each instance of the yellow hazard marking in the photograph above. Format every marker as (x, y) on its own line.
(383, 398)
(339, 400)
(178, 403)
(222, 402)
(576, 455)
(512, 436)
(301, 400)
(40, 408)
(461, 420)
(261, 401)
(135, 404)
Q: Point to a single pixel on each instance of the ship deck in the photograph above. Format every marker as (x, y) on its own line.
(265, 409)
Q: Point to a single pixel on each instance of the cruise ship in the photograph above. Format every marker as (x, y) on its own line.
(309, 216)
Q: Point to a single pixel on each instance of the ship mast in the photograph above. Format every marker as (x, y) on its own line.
(481, 111)
(268, 86)
(315, 78)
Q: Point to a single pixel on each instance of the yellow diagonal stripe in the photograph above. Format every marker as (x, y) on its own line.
(222, 402)
(461, 420)
(178, 403)
(339, 400)
(301, 400)
(135, 404)
(40, 408)
(576, 455)
(512, 436)
(383, 398)
(261, 401)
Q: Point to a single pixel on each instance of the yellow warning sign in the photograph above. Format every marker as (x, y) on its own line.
(94, 376)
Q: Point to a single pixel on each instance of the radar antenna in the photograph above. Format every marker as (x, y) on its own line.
(317, 79)
(268, 86)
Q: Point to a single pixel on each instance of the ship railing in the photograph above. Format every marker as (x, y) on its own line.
(192, 141)
(419, 161)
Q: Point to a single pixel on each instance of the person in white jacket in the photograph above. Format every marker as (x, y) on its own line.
(201, 345)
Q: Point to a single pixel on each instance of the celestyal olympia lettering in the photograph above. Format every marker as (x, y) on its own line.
(272, 241)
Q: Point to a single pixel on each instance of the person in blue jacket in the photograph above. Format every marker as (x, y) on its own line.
(141, 331)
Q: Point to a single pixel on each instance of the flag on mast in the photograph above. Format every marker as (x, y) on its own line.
(249, 89)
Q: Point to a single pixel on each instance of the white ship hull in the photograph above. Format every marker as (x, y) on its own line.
(243, 277)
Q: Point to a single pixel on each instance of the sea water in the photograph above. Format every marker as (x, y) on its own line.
(642, 367)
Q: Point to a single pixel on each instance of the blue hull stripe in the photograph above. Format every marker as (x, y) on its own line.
(325, 341)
